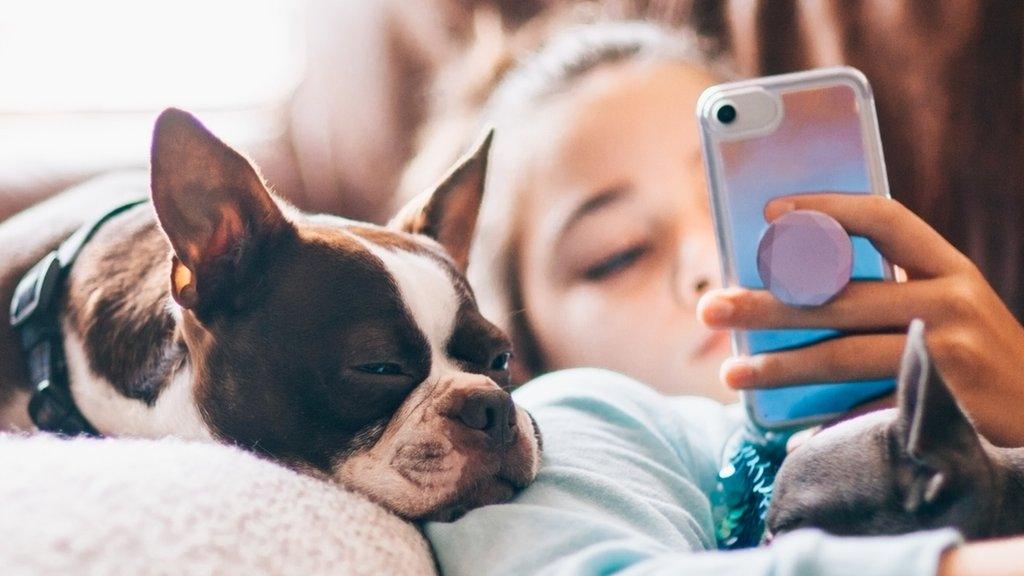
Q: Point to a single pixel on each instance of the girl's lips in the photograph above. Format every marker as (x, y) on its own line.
(711, 343)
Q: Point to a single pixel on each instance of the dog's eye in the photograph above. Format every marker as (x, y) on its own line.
(382, 368)
(501, 361)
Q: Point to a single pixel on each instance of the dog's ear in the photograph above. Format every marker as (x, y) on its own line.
(932, 431)
(213, 207)
(448, 212)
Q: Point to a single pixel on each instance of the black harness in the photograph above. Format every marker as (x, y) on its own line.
(35, 317)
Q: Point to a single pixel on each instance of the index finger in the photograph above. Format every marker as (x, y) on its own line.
(900, 235)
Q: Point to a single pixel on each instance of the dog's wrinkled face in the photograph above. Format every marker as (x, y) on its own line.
(919, 466)
(353, 350)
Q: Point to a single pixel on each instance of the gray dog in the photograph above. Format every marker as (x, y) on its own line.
(919, 466)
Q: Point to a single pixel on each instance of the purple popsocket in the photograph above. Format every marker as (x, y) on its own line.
(805, 258)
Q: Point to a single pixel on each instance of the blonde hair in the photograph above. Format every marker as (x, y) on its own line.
(541, 60)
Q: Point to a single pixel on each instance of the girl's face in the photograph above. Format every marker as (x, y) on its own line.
(616, 241)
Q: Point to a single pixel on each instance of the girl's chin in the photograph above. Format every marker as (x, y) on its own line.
(700, 378)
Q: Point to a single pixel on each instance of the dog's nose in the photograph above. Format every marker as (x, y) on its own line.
(491, 411)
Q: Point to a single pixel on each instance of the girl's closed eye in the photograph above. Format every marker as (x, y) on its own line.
(618, 262)
(613, 237)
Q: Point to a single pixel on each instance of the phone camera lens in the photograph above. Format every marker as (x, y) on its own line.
(726, 113)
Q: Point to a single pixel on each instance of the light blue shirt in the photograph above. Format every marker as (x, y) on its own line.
(623, 489)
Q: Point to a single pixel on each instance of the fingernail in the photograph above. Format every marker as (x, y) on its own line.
(777, 208)
(799, 438)
(738, 372)
(716, 310)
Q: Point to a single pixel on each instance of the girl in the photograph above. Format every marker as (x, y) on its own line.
(595, 241)
(595, 246)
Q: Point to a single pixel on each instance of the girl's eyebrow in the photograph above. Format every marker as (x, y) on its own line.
(594, 204)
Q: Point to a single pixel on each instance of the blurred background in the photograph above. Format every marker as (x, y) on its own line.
(328, 95)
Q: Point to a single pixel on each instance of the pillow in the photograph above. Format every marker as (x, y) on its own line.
(167, 506)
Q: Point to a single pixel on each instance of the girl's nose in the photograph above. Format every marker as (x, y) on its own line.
(697, 271)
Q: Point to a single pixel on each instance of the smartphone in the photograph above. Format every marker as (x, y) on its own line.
(813, 131)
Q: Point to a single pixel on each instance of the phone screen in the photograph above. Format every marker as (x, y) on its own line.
(819, 145)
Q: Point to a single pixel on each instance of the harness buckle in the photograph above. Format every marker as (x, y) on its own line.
(35, 291)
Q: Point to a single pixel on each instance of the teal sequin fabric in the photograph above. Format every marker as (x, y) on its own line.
(744, 489)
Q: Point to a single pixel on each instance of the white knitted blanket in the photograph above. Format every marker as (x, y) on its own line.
(142, 507)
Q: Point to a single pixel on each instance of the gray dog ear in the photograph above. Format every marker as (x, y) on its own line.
(932, 430)
(448, 212)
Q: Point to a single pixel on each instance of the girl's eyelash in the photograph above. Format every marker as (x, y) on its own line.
(616, 263)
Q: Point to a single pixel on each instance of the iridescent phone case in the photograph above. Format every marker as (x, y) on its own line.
(807, 132)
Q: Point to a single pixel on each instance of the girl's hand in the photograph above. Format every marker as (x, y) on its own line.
(976, 343)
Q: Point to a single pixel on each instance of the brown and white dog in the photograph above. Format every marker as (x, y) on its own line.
(349, 350)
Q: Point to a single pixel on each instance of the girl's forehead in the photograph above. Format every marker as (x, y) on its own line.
(612, 124)
(606, 105)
